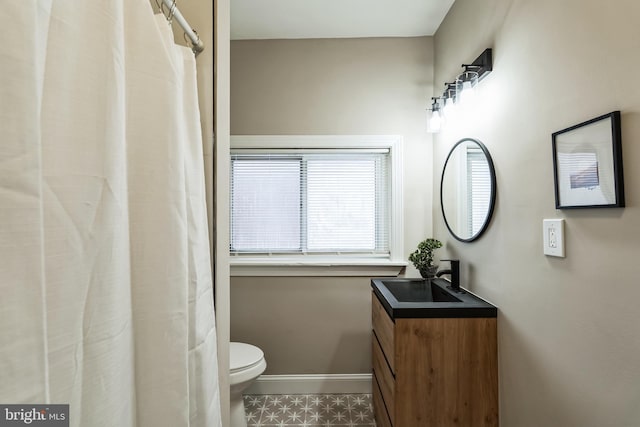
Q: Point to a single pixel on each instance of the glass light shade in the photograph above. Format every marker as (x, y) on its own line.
(465, 86)
(434, 123)
(448, 108)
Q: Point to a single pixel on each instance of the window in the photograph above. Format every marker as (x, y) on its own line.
(479, 189)
(265, 203)
(309, 199)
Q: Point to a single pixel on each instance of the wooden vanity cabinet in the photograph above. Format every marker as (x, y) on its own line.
(434, 372)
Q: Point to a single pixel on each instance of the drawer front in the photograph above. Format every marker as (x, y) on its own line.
(384, 378)
(379, 410)
(383, 328)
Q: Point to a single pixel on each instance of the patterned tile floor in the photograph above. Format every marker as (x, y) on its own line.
(307, 410)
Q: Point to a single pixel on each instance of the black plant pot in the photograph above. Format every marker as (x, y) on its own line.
(429, 272)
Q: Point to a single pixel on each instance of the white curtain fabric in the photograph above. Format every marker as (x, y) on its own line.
(106, 299)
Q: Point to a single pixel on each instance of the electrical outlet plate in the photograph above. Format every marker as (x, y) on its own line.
(553, 237)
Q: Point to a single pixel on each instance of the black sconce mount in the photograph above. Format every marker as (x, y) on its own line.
(482, 65)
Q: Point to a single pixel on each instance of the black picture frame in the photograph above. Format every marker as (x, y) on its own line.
(587, 164)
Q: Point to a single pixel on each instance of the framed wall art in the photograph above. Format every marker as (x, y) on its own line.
(587, 164)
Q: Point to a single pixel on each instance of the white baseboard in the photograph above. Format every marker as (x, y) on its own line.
(312, 384)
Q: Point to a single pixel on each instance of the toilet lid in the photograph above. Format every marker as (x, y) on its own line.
(243, 355)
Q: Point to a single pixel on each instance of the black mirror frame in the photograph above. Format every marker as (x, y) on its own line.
(494, 191)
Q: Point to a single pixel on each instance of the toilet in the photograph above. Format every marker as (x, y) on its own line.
(247, 363)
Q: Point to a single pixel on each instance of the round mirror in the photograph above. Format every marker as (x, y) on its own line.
(468, 190)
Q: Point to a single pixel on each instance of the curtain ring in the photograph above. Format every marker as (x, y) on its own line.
(159, 6)
(172, 10)
(162, 10)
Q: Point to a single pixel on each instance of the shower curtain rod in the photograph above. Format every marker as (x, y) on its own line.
(197, 45)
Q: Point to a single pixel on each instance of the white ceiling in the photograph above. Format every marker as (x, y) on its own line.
(302, 19)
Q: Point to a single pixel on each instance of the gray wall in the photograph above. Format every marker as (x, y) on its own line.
(333, 87)
(569, 333)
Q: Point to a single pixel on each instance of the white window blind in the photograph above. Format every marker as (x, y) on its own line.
(266, 200)
(310, 201)
(479, 186)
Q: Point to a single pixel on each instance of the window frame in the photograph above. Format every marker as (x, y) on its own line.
(333, 265)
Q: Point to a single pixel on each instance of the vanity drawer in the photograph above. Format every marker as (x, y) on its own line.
(384, 379)
(379, 410)
(383, 328)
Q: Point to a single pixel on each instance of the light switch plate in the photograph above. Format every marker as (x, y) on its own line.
(553, 237)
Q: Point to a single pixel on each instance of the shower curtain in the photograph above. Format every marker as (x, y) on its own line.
(106, 300)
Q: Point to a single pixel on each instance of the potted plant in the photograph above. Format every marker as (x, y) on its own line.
(422, 258)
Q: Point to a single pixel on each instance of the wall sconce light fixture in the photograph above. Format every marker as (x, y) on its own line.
(434, 120)
(463, 88)
(449, 97)
(466, 85)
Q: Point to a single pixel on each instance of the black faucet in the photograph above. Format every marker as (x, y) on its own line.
(454, 271)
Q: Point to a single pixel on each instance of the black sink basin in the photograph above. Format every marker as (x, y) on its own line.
(428, 298)
(418, 291)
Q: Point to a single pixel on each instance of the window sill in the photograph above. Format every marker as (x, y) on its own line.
(248, 267)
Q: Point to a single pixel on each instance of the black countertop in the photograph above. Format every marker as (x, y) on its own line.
(428, 298)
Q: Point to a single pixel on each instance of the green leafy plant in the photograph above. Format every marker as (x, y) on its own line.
(422, 258)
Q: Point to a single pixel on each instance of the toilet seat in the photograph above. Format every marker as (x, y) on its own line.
(244, 357)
